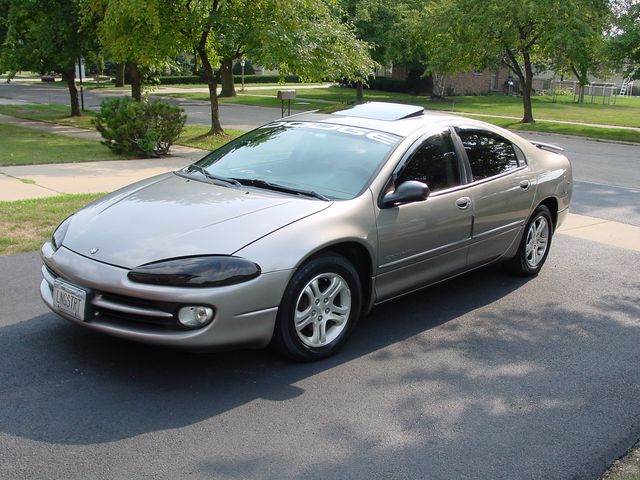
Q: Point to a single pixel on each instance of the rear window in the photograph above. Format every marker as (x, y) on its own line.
(489, 154)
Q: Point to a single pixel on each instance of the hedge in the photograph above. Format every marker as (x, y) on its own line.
(382, 83)
(193, 79)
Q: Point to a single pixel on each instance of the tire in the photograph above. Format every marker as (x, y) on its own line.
(534, 245)
(319, 308)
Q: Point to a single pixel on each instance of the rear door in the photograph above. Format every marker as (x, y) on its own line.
(502, 191)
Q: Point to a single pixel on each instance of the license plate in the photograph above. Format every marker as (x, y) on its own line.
(69, 299)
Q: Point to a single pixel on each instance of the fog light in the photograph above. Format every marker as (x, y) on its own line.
(195, 316)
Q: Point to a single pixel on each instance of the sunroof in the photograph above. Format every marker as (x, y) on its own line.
(382, 111)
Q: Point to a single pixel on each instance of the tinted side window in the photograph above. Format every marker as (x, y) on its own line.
(489, 154)
(434, 163)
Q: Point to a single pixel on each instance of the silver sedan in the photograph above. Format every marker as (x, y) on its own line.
(292, 232)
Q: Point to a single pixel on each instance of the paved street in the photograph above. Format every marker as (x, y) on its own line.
(240, 117)
(484, 377)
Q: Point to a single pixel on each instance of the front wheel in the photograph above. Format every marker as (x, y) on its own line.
(320, 307)
(535, 244)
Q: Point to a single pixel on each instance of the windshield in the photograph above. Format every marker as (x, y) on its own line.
(322, 159)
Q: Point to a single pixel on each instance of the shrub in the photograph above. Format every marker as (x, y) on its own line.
(139, 128)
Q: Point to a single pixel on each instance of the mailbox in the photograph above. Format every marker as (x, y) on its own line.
(286, 94)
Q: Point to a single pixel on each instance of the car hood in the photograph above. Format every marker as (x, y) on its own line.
(171, 216)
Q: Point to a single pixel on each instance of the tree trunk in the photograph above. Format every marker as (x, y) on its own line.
(359, 91)
(70, 76)
(226, 75)
(195, 63)
(210, 76)
(527, 88)
(582, 81)
(136, 81)
(119, 74)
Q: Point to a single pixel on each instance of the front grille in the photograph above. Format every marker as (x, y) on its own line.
(110, 307)
(124, 311)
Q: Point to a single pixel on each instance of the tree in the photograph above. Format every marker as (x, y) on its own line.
(389, 27)
(461, 35)
(582, 44)
(45, 36)
(302, 37)
(625, 39)
(139, 33)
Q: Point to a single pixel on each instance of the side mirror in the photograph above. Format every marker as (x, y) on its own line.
(407, 192)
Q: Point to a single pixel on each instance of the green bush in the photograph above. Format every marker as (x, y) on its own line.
(139, 128)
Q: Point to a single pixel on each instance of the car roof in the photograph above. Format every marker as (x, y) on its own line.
(396, 118)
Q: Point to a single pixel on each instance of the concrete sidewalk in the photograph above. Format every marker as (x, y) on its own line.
(45, 180)
(37, 181)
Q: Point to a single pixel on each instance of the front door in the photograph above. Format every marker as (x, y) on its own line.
(425, 241)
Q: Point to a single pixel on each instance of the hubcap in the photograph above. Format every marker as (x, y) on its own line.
(322, 309)
(537, 241)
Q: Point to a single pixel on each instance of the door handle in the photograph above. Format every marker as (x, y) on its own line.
(463, 203)
(525, 184)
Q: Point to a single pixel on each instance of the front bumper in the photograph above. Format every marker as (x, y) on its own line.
(245, 313)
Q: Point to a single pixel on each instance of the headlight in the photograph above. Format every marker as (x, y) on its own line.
(60, 232)
(205, 271)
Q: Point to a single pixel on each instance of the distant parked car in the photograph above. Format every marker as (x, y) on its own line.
(48, 78)
(290, 233)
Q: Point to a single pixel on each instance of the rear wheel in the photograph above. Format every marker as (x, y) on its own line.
(319, 308)
(535, 244)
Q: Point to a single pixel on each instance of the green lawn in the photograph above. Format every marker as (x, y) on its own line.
(47, 112)
(239, 85)
(563, 129)
(24, 146)
(194, 136)
(257, 98)
(626, 112)
(27, 224)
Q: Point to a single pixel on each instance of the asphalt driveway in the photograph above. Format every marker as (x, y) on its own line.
(485, 376)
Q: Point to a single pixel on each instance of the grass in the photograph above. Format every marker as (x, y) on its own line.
(27, 224)
(626, 112)
(46, 112)
(564, 129)
(195, 136)
(258, 99)
(25, 146)
(238, 85)
(627, 468)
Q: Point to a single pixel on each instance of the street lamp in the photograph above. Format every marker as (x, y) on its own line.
(242, 62)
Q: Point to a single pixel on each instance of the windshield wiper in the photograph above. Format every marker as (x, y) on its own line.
(210, 176)
(255, 182)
